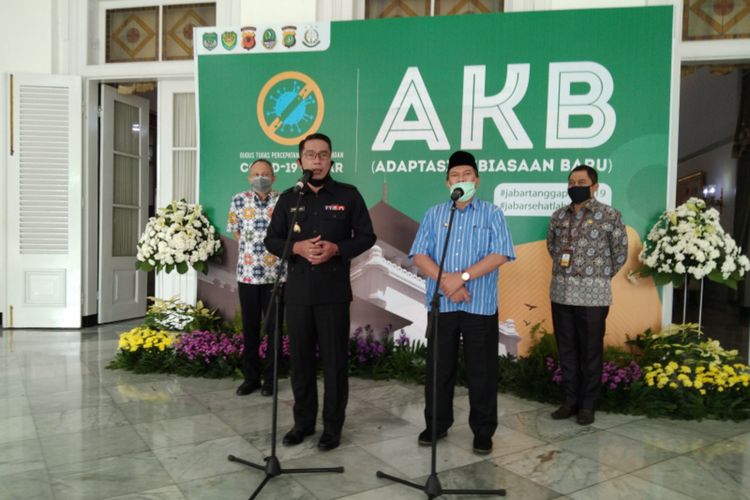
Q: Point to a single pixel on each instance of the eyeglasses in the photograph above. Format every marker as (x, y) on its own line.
(311, 155)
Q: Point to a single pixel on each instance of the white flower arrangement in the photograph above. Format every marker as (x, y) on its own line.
(178, 236)
(690, 242)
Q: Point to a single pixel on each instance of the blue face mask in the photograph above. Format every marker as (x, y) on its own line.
(468, 187)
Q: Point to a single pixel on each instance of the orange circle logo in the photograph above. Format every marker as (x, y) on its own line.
(290, 107)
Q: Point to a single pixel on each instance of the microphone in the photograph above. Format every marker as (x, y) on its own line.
(302, 182)
(456, 194)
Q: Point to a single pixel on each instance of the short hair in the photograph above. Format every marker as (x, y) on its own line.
(593, 176)
(321, 137)
(264, 160)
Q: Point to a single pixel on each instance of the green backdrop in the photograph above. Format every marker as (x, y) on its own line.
(361, 66)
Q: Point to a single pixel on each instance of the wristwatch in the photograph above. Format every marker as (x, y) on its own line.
(465, 276)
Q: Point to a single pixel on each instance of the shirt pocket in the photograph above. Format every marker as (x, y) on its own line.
(479, 241)
(301, 214)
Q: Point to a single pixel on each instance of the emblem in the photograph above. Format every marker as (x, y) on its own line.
(311, 37)
(290, 106)
(210, 40)
(269, 38)
(297, 229)
(289, 36)
(229, 39)
(248, 37)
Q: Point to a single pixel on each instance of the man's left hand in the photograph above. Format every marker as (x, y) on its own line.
(450, 283)
(327, 250)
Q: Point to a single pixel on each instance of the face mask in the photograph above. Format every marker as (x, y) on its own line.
(579, 194)
(468, 187)
(261, 184)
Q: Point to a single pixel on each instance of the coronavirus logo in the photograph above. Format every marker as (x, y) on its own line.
(290, 107)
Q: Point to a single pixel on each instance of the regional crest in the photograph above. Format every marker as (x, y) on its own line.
(229, 39)
(289, 36)
(269, 38)
(248, 37)
(311, 37)
(210, 40)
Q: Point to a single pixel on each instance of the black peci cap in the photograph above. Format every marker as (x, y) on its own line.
(462, 158)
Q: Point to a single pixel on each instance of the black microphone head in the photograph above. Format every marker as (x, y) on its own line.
(456, 194)
(302, 182)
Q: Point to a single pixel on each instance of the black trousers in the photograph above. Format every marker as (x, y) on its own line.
(327, 327)
(579, 332)
(480, 338)
(253, 304)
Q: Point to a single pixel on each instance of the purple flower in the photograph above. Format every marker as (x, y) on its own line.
(207, 346)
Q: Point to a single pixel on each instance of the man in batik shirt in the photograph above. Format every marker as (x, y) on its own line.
(249, 216)
(588, 244)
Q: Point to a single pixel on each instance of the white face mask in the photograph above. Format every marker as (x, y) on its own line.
(468, 187)
(261, 184)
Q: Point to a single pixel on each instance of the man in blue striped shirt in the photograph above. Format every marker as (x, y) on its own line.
(480, 243)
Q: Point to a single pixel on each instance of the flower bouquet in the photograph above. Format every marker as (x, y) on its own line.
(179, 236)
(208, 354)
(171, 314)
(690, 242)
(145, 350)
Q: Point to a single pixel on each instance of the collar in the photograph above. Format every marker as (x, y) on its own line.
(472, 204)
(258, 201)
(587, 205)
(329, 184)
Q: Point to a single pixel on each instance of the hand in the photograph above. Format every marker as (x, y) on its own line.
(307, 249)
(450, 283)
(325, 251)
(461, 295)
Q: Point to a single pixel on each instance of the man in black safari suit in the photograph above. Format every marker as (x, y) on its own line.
(333, 226)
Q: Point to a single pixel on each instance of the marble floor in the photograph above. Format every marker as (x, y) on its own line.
(72, 429)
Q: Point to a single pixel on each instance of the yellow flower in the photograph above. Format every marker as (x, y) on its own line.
(673, 385)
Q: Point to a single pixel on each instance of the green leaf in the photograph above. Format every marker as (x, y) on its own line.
(182, 267)
(661, 279)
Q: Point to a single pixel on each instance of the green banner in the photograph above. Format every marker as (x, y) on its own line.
(530, 94)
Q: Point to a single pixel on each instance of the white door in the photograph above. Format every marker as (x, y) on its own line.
(177, 172)
(44, 202)
(123, 204)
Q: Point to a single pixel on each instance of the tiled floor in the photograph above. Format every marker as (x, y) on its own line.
(71, 429)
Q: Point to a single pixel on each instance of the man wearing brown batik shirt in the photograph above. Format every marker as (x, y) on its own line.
(588, 245)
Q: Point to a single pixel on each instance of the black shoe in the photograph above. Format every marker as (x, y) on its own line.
(482, 445)
(329, 441)
(585, 417)
(266, 390)
(247, 388)
(296, 436)
(563, 412)
(425, 437)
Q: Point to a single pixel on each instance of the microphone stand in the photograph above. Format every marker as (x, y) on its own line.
(272, 466)
(432, 488)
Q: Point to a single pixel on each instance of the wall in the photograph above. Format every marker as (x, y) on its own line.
(255, 11)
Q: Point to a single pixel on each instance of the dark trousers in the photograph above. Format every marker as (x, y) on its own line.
(325, 326)
(253, 304)
(480, 337)
(579, 332)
